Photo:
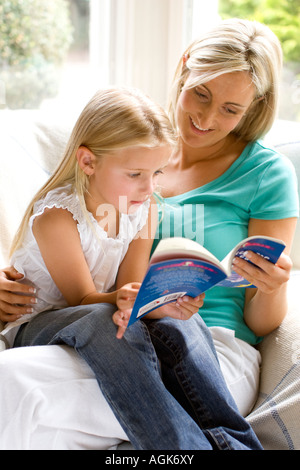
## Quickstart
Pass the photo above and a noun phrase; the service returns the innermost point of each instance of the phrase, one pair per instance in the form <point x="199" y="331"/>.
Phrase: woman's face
<point x="207" y="113"/>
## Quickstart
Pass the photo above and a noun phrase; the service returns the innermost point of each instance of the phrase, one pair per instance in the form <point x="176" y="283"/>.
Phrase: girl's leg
<point x="127" y="371"/>
<point x="191" y="372"/>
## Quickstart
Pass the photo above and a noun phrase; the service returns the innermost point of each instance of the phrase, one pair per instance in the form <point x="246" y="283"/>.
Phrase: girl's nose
<point x="149" y="186"/>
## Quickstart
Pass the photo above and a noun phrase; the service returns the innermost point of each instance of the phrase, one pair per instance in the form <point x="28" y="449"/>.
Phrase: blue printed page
<point x="268" y="248"/>
<point x="167" y="280"/>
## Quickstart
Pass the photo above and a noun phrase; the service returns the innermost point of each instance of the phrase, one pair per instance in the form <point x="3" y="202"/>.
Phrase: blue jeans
<point x="162" y="379"/>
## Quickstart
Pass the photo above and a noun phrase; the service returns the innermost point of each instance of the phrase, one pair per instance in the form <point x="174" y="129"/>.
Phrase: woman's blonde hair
<point x="114" y="118"/>
<point x="232" y="46"/>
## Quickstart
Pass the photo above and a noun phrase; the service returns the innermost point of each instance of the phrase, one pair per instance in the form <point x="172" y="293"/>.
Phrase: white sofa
<point x="31" y="144"/>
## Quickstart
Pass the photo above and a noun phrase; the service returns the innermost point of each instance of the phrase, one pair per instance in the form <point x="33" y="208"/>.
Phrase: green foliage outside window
<point x="283" y="18"/>
<point x="35" y="36"/>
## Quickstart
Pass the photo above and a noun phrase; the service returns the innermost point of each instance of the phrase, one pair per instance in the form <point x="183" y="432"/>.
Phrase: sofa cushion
<point x="31" y="145"/>
<point x="285" y="137"/>
<point x="292" y="151"/>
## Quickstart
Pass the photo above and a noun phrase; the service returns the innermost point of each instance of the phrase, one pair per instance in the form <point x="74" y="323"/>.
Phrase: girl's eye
<point x="158" y="172"/>
<point x="134" y="175"/>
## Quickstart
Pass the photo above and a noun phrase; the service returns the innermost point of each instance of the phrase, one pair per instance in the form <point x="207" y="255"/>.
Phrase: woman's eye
<point x="200" y="94"/>
<point x="158" y="172"/>
<point x="134" y="175"/>
<point x="230" y="111"/>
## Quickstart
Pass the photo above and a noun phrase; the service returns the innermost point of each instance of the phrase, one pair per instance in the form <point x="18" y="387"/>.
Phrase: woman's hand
<point x="16" y="299"/>
<point x="183" y="309"/>
<point x="266" y="276"/>
<point x="266" y="306"/>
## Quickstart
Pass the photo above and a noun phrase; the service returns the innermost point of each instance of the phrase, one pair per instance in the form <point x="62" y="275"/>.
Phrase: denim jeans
<point x="162" y="379"/>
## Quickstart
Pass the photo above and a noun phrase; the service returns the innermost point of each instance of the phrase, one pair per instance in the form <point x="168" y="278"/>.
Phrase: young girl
<point x="70" y="246"/>
<point x="74" y="236"/>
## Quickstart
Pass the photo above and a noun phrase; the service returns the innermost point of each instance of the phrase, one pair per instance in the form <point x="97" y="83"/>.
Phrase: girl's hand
<point x="16" y="299"/>
<point x="183" y="309"/>
<point x="266" y="276"/>
<point x="125" y="297"/>
<point x="121" y="319"/>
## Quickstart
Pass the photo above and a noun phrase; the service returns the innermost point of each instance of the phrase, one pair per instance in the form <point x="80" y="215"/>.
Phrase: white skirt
<point x="240" y="365"/>
<point x="50" y="399"/>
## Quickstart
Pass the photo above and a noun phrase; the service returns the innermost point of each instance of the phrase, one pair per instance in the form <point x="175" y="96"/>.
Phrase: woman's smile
<point x="196" y="128"/>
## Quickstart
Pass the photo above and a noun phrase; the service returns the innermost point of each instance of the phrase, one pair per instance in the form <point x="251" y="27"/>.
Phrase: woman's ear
<point x="86" y="160"/>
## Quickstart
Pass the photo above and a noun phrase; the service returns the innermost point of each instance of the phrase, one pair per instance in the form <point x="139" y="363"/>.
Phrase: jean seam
<point x="203" y="415"/>
<point x="220" y="439"/>
<point x="152" y="357"/>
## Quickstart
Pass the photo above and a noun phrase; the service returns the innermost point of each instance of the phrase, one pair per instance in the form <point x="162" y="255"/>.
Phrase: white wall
<point x="138" y="42"/>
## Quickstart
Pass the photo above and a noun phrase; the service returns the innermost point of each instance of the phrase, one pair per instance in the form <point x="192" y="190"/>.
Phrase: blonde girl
<point x="77" y="229"/>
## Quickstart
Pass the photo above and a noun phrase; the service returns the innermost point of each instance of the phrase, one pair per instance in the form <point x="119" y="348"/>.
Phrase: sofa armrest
<point x="276" y="415"/>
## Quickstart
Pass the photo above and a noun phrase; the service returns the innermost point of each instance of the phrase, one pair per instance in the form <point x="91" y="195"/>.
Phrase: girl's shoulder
<point x="63" y="197"/>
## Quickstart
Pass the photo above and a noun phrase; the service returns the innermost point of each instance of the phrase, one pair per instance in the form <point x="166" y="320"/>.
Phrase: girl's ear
<point x="86" y="160"/>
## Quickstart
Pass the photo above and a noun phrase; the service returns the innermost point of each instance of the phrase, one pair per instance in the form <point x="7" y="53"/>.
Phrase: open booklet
<point x="180" y="266"/>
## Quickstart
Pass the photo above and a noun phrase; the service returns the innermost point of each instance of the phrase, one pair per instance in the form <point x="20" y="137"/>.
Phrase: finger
<point x="121" y="319"/>
<point x="121" y="331"/>
<point x="285" y="262"/>
<point x="15" y="309"/>
<point x="12" y="274"/>
<point x="15" y="298"/>
<point x="190" y="303"/>
<point x="135" y="285"/>
<point x="258" y="261"/>
<point x="13" y="286"/>
<point x="6" y="317"/>
<point x="255" y="275"/>
<point x="185" y="310"/>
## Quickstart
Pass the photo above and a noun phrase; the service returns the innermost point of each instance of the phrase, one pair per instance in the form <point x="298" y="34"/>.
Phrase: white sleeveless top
<point x="103" y="254"/>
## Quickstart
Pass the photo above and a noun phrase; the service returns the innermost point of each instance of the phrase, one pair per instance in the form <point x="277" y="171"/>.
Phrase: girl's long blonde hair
<point x="114" y="118"/>
<point x="233" y="46"/>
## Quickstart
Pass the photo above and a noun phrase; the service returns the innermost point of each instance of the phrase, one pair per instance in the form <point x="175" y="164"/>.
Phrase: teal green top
<point x="260" y="184"/>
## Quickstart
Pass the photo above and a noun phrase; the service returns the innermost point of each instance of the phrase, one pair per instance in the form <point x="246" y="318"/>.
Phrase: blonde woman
<point x="223" y="100"/>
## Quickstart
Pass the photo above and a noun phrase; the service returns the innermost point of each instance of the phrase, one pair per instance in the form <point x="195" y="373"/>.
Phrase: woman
<point x="224" y="98"/>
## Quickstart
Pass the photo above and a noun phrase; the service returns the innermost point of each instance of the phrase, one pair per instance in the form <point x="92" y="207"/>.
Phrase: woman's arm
<point x="266" y="306"/>
<point x="16" y="299"/>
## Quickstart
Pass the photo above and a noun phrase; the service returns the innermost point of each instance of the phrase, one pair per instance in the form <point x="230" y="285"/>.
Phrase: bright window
<point x="57" y="54"/>
<point x="94" y="43"/>
<point x="283" y="17"/>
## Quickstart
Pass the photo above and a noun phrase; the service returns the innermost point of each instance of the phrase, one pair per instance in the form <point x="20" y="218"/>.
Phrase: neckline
<point x="220" y="178"/>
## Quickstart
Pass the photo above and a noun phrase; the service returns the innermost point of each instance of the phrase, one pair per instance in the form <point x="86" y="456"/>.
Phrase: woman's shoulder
<point x="260" y="155"/>
<point x="262" y="150"/>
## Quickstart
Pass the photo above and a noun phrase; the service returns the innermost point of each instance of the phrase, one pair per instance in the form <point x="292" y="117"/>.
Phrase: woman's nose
<point x="207" y="117"/>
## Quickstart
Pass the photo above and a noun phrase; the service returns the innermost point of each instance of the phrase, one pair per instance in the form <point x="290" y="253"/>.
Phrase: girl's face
<point x="127" y="177"/>
<point x="207" y="113"/>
